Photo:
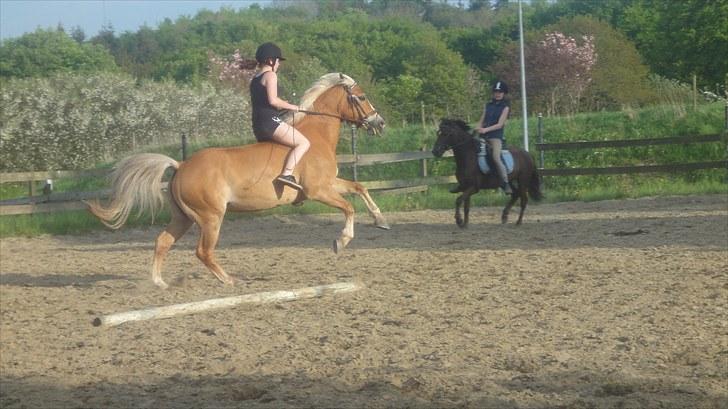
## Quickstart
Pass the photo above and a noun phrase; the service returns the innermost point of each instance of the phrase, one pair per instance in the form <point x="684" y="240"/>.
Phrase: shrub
<point x="71" y="121"/>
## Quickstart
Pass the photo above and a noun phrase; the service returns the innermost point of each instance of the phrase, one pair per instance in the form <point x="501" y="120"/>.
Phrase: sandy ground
<point x="613" y="304"/>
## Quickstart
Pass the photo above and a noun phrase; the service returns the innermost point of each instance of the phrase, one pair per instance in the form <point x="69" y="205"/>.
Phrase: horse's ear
<point x="341" y="76"/>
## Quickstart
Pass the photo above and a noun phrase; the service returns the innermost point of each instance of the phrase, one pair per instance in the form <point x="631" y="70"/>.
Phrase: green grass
<point x="628" y="124"/>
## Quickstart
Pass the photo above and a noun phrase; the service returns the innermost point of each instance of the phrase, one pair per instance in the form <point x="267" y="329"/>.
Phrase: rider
<point x="491" y="126"/>
<point x="267" y="125"/>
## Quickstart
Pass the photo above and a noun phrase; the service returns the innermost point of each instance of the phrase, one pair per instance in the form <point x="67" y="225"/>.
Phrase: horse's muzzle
<point x="374" y="124"/>
<point x="438" y="150"/>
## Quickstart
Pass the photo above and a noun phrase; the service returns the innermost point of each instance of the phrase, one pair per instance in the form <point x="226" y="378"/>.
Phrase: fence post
<point x="422" y="112"/>
<point x="184" y="146"/>
<point x="695" y="92"/>
<point x="353" y="150"/>
<point x="424" y="163"/>
<point x="31" y="189"/>
<point x="540" y="138"/>
<point x="726" y="115"/>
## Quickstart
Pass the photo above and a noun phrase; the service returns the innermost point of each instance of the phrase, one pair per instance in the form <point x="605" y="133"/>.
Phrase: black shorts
<point x="265" y="126"/>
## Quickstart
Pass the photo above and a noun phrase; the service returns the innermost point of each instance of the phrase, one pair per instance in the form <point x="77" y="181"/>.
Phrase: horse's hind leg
<point x="176" y="228"/>
<point x="523" y="193"/>
<point x="209" y="234"/>
<point x="346" y="186"/>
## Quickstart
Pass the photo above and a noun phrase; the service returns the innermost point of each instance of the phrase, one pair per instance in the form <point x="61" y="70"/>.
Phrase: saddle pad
<point x="505" y="156"/>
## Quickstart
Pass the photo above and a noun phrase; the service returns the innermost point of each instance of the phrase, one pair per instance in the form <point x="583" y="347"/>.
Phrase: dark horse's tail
<point x="534" y="187"/>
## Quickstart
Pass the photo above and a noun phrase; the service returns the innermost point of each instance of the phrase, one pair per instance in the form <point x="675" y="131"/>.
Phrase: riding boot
<point x="507" y="188"/>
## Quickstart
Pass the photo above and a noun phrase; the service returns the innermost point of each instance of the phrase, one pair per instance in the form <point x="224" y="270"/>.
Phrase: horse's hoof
<point x="161" y="284"/>
<point x="384" y="226"/>
<point x="337" y="246"/>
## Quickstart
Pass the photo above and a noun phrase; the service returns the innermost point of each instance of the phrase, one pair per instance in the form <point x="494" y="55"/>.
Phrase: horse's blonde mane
<point x="323" y="84"/>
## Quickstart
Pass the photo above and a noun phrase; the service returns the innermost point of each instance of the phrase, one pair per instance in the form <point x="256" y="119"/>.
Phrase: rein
<point x="468" y="140"/>
<point x="353" y="100"/>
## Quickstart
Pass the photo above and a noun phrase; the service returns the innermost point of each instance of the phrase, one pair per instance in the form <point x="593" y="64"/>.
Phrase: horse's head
<point x="451" y="133"/>
<point x="360" y="111"/>
<point x="338" y="95"/>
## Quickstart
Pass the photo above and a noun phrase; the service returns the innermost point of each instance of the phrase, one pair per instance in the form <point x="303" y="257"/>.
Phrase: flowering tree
<point x="227" y="72"/>
<point x="560" y="70"/>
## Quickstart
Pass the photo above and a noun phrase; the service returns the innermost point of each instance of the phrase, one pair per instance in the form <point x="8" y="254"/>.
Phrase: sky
<point x="21" y="16"/>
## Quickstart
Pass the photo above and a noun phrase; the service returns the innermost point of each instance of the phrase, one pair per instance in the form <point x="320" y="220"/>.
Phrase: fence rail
<point x="628" y="142"/>
<point x="621" y="170"/>
<point x="52" y="202"/>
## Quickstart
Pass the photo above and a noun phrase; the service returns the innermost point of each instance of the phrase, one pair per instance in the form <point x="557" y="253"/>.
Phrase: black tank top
<point x="262" y="109"/>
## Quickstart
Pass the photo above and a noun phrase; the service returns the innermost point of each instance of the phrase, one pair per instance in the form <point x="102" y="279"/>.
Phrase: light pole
<point x="523" y="78"/>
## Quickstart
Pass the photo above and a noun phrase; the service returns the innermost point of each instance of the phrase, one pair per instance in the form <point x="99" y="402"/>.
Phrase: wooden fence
<point x="673" y="167"/>
<point x="49" y="201"/>
<point x="53" y="202"/>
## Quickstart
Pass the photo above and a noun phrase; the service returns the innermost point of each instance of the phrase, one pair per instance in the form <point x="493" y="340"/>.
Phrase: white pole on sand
<point x="218" y="303"/>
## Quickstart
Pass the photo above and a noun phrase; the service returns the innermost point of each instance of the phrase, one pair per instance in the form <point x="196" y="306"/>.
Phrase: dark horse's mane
<point x="458" y="124"/>
<point x="457" y="128"/>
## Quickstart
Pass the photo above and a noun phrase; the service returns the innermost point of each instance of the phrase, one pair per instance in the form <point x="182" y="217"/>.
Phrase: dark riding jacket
<point x="493" y="111"/>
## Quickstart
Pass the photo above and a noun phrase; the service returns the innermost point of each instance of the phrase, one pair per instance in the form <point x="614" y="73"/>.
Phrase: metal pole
<point x="523" y="78"/>
<point x="540" y="138"/>
<point x="184" y="146"/>
<point x="353" y="150"/>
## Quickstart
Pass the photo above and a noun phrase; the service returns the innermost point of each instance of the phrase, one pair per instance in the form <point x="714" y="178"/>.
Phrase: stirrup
<point x="289" y="180"/>
<point x="507" y="188"/>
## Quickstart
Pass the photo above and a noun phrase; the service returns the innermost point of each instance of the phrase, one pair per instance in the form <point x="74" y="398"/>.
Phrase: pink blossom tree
<point x="234" y="72"/>
<point x="558" y="71"/>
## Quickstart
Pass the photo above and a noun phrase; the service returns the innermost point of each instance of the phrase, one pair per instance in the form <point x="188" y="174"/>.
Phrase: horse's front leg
<point x="344" y="186"/>
<point x="507" y="209"/>
<point x="466" y="210"/>
<point x="463" y="199"/>
<point x="333" y="198"/>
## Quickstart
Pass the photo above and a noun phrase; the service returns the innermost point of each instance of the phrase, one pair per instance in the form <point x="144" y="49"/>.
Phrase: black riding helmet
<point x="266" y="51"/>
<point x="500" y="86"/>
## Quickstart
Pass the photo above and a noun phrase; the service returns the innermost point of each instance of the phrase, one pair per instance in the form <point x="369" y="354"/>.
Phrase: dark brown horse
<point x="456" y="135"/>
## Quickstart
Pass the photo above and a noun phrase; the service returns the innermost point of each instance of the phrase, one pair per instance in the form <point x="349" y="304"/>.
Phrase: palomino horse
<point x="456" y="135"/>
<point x="241" y="179"/>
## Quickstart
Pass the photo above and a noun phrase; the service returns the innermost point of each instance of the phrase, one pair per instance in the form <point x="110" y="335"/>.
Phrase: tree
<point x="559" y="70"/>
<point x="78" y="34"/>
<point x="47" y="51"/>
<point x="619" y="76"/>
<point x="681" y="38"/>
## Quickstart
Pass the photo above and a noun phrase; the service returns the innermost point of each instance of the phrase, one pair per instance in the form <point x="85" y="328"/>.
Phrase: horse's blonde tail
<point x="135" y="181"/>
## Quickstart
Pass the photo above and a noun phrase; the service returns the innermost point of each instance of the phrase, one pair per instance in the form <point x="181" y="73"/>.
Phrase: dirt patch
<point x="613" y="304"/>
